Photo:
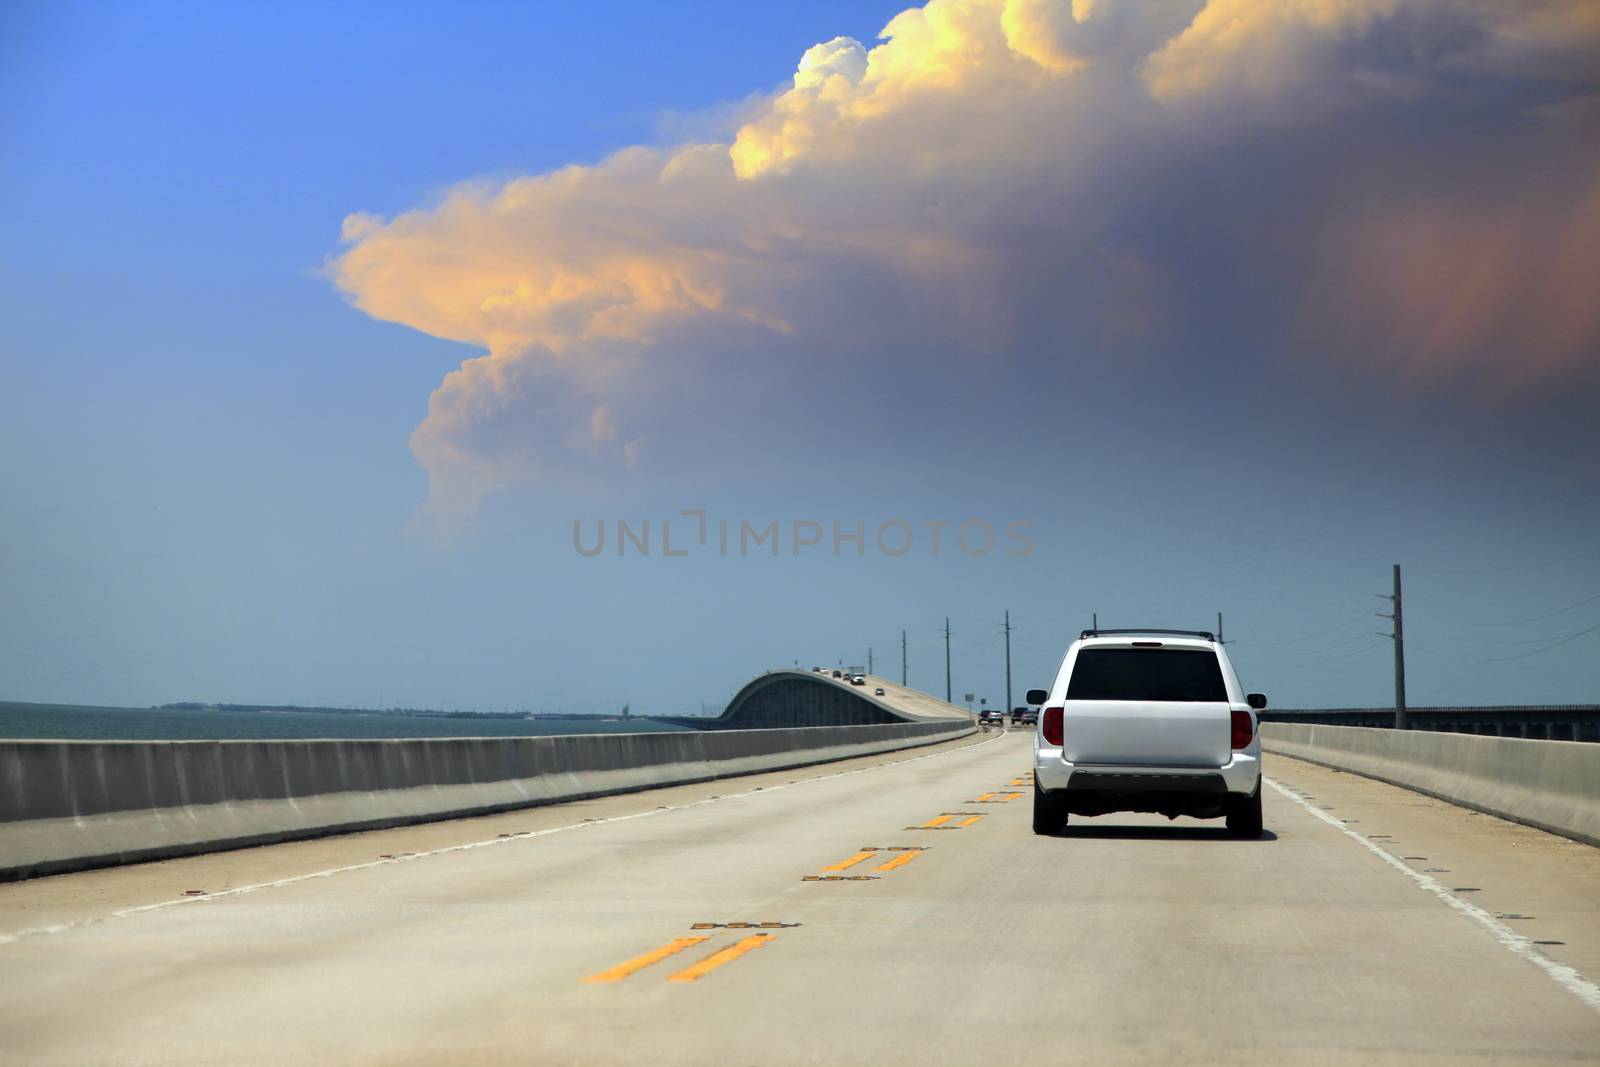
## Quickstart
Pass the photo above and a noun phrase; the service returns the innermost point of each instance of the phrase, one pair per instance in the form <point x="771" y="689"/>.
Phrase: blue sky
<point x="1110" y="307"/>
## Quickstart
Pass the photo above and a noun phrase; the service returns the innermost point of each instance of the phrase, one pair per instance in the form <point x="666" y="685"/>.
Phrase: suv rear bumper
<point x="1240" y="775"/>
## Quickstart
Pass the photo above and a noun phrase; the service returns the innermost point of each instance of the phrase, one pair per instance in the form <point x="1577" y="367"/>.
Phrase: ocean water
<point x="78" y="723"/>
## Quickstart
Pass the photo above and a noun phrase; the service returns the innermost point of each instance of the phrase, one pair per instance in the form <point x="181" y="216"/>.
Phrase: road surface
<point x="891" y="910"/>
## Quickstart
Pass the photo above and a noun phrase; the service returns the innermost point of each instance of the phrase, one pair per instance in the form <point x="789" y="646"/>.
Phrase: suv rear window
<point x="1146" y="674"/>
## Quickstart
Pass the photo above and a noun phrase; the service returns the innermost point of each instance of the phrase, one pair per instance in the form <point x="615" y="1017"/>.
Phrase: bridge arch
<point x="788" y="698"/>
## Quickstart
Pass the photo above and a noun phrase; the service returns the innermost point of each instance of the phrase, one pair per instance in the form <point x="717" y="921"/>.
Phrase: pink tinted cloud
<point x="1504" y="291"/>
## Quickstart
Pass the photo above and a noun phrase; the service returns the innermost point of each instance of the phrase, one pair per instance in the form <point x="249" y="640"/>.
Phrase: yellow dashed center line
<point x="939" y="820"/>
<point x="1009" y="796"/>
<point x="899" y="861"/>
<point x="986" y="796"/>
<point x="846" y="864"/>
<point x="720" y="957"/>
<point x="639" y="963"/>
<point x="969" y="820"/>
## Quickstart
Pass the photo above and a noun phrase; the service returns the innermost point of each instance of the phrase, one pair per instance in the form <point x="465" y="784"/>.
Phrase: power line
<point x="1333" y="647"/>
<point x="1520" y="655"/>
<point x="1498" y="641"/>
<point x="1319" y="662"/>
<point x="1365" y="614"/>
<point x="1512" y="567"/>
<point x="1546" y="615"/>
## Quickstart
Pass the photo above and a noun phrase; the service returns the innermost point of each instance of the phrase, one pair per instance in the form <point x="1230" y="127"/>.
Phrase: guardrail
<point x="71" y="805"/>
<point x="1546" y="722"/>
<point x="1551" y="785"/>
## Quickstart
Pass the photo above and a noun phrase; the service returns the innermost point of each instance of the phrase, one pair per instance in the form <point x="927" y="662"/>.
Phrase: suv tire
<point x="1049" y="813"/>
<point x="1244" y="815"/>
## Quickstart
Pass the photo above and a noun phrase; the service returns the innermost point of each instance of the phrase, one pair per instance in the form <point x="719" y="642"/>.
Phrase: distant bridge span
<point x="783" y="699"/>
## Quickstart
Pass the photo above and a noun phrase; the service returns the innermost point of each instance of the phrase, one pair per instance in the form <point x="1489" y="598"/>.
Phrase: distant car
<point x="1024" y="716"/>
<point x="992" y="715"/>
<point x="838" y="674"/>
<point x="878" y="692"/>
<point x="858" y="679"/>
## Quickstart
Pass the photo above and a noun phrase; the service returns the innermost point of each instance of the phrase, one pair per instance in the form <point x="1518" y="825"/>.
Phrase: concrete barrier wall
<point x="71" y="805"/>
<point x="1552" y="785"/>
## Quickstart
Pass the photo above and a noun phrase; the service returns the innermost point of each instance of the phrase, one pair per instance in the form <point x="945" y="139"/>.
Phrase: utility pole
<point x="1095" y="625"/>
<point x="947" y="690"/>
<point x="869" y="659"/>
<point x="1399" y="637"/>
<point x="1399" y="655"/>
<point x="902" y="657"/>
<point x="1220" y="641"/>
<point x="1007" y="709"/>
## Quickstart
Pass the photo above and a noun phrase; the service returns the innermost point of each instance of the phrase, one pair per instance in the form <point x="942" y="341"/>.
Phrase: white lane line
<point x="1566" y="977"/>
<point x="123" y="913"/>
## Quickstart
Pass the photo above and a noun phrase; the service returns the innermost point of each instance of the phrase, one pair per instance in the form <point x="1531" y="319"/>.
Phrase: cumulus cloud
<point x="996" y="172"/>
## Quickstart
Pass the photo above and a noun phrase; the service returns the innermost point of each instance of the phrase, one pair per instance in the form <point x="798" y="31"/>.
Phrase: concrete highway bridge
<point x="716" y="897"/>
<point x="788" y="698"/>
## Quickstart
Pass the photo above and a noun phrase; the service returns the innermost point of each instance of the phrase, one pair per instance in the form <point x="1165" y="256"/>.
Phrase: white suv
<point x="1147" y="720"/>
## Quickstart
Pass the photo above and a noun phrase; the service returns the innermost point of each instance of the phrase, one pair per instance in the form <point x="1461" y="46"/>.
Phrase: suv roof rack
<point x="1207" y="634"/>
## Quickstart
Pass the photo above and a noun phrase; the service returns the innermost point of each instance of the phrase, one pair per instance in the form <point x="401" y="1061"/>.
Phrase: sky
<point x="332" y="335"/>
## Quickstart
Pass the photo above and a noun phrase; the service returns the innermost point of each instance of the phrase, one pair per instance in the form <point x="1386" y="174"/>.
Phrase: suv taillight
<point x="1244" y="728"/>
<point x="1052" y="726"/>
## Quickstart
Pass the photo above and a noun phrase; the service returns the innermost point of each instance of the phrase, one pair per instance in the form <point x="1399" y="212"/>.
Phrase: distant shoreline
<point x="403" y="712"/>
<point x="309" y="709"/>
<point x="20" y="720"/>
